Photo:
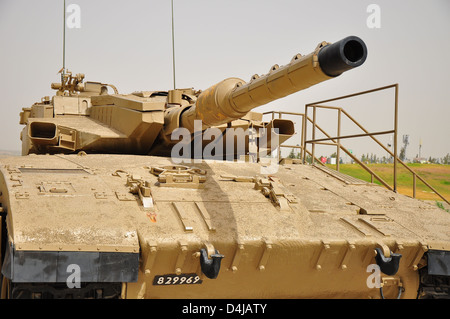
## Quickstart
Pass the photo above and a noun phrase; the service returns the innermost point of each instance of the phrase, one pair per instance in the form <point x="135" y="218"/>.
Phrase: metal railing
<point x="336" y="140"/>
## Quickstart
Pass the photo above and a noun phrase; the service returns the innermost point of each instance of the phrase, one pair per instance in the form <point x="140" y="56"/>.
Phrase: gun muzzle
<point x="336" y="58"/>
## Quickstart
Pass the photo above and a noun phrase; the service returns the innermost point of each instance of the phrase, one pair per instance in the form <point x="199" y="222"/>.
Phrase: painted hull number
<point x="173" y="280"/>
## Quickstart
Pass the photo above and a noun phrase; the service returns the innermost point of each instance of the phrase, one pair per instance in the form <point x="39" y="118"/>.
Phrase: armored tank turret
<point x="84" y="117"/>
<point x="98" y="206"/>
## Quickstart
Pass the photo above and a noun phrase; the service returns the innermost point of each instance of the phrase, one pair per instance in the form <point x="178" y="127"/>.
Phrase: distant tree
<point x="402" y="153"/>
<point x="292" y="154"/>
<point x="446" y="159"/>
<point x="373" y="158"/>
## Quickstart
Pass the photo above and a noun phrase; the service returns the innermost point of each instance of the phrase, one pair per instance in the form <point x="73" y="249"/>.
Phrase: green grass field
<point x="438" y="176"/>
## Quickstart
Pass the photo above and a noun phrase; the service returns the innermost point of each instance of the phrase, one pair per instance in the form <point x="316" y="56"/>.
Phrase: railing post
<point x="302" y="139"/>
<point x="278" y="147"/>
<point x="338" y="146"/>
<point x="305" y="124"/>
<point x="313" y="145"/>
<point x="414" y="185"/>
<point x="395" y="137"/>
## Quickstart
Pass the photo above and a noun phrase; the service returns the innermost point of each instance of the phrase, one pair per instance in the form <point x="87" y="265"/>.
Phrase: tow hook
<point x="210" y="266"/>
<point x="388" y="265"/>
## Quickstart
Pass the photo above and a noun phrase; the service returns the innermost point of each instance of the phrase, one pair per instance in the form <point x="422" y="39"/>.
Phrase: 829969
<point x="173" y="279"/>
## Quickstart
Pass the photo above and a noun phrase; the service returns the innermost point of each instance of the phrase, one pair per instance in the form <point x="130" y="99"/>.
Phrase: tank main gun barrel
<point x="232" y="98"/>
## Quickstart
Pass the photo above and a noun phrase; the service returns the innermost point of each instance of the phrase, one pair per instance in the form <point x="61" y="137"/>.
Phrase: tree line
<point x="374" y="159"/>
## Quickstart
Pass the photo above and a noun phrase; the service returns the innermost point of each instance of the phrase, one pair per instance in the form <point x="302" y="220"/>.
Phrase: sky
<point x="129" y="44"/>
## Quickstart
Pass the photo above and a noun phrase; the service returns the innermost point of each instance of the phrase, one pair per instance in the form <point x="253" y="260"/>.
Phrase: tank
<point x="140" y="195"/>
